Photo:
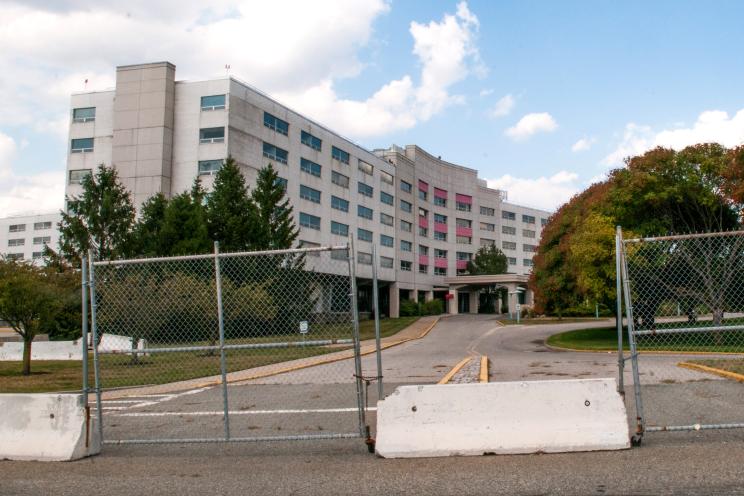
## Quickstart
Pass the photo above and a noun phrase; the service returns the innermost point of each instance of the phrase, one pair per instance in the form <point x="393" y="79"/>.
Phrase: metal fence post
<point x="376" y="304"/>
<point x="94" y="325"/>
<point x="221" y="320"/>
<point x="357" y="347"/>
<point x="84" y="343"/>
<point x="619" y="314"/>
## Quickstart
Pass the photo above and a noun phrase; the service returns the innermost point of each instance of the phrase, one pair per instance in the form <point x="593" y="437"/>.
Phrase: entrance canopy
<point x="473" y="284"/>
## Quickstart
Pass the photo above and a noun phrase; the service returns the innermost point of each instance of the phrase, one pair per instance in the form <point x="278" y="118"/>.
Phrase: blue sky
<point x="581" y="84"/>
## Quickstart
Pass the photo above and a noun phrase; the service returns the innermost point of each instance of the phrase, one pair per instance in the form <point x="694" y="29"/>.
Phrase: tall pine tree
<point x="184" y="230"/>
<point x="275" y="226"/>
<point x="231" y="214"/>
<point x="148" y="231"/>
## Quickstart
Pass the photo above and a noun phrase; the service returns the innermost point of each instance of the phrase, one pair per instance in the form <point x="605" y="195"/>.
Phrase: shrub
<point x="408" y="308"/>
<point x="433" y="307"/>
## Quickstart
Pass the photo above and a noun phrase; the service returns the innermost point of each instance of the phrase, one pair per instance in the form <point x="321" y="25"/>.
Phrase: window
<point x="386" y="219"/>
<point x="405" y="266"/>
<point x="423" y="232"/>
<point x="340" y="255"/>
<point x="440" y="271"/>
<point x="364" y="235"/>
<point x="309" y="221"/>
<point x="309" y="244"/>
<point x="386" y="262"/>
<point x="487" y="242"/>
<point x="213" y="102"/>
<point x="527" y="262"/>
<point x="209" y="167"/>
<point x="340" y="229"/>
<point x="388" y="241"/>
<point x="405" y="226"/>
<point x="275" y="153"/>
<point x="463" y="223"/>
<point x="386" y="178"/>
<point x="339" y="204"/>
<point x="81" y="145"/>
<point x="462" y="206"/>
<point x="364" y="212"/>
<point x="309" y="194"/>
<point x="405" y="245"/>
<point x="423" y="195"/>
<point x="529" y="248"/>
<point x="485" y="226"/>
<point x="14" y="256"/>
<point x="487" y="211"/>
<point x="440" y="236"/>
<point x="213" y="135"/>
<point x="87" y="114"/>
<point x="528" y="219"/>
<point x="440" y="202"/>
<point x="364" y="258"/>
<point x="509" y="245"/>
<point x="423" y="250"/>
<point x="16" y="242"/>
<point x="282" y="182"/>
<point x="309" y="140"/>
<point x="528" y="233"/>
<point x="340" y="155"/>
<point x="423" y="213"/>
<point x="310" y="167"/>
<point x="405" y="206"/>
<point x="42" y="240"/>
<point x="365" y="167"/>
<point x="339" y="179"/>
<point x="365" y="189"/>
<point x="440" y="219"/>
<point x="508" y="230"/>
<point x="386" y="198"/>
<point x="404" y="186"/>
<point x="462" y="255"/>
<point x="17" y="228"/>
<point x="423" y="269"/>
<point x="37" y="255"/>
<point x="512" y="260"/>
<point x="276" y="124"/>
<point x="440" y="253"/>
<point x="77" y="176"/>
<point x="508" y="215"/>
<point x="543" y="222"/>
<point x="40" y="226"/>
<point x="464" y="240"/>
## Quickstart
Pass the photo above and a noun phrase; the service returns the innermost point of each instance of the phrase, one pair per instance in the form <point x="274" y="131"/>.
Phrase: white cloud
<point x="503" y="107"/>
<point x="547" y="193"/>
<point x="486" y="92"/>
<point x="531" y="124"/>
<point x="710" y="126"/>
<point x="582" y="145"/>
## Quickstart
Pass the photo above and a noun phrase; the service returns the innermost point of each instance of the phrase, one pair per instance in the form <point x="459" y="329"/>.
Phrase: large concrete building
<point x="23" y="237"/>
<point x="427" y="216"/>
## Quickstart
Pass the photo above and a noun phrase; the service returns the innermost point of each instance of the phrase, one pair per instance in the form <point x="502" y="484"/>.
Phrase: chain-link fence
<point x="189" y="348"/>
<point x="685" y="318"/>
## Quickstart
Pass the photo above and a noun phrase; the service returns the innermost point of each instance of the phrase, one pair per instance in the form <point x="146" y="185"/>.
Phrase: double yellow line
<point x="482" y="377"/>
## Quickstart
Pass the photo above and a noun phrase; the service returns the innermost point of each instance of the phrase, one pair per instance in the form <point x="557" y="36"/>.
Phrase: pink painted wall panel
<point x="423" y="222"/>
<point x="440" y="262"/>
<point x="439" y="227"/>
<point x="423" y="186"/>
<point x="423" y="259"/>
<point x="462" y="264"/>
<point x="463" y="198"/>
<point x="464" y="231"/>
<point x="440" y="193"/>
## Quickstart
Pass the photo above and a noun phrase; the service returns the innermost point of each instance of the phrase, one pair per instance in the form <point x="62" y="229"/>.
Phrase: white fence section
<point x="502" y="418"/>
<point x="64" y="350"/>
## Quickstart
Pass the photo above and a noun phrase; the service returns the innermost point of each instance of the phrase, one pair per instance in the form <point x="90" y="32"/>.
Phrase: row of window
<point x="19" y="256"/>
<point x="40" y="240"/>
<point x="511" y="245"/>
<point x="38" y="226"/>
<point x="527" y="219"/>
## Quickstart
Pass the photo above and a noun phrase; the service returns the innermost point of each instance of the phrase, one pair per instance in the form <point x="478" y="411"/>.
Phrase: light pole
<point x="516" y="303"/>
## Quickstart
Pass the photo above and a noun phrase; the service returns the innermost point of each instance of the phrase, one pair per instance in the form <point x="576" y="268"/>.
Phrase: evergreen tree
<point x="103" y="214"/>
<point x="231" y="214"/>
<point x="148" y="231"/>
<point x="275" y="226"/>
<point x="184" y="230"/>
<point x="488" y="260"/>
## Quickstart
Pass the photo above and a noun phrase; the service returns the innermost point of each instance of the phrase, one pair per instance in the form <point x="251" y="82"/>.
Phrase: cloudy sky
<point x="541" y="97"/>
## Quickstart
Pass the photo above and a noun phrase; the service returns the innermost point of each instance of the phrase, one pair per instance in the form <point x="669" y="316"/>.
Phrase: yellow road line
<point x="484" y="369"/>
<point x="712" y="370"/>
<point x="454" y="370"/>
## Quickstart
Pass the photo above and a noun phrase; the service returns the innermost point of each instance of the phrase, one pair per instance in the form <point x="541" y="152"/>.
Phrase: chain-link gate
<point x="684" y="308"/>
<point x="219" y="347"/>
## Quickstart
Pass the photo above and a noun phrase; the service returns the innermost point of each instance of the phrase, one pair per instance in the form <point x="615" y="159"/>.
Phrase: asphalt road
<point x="321" y="399"/>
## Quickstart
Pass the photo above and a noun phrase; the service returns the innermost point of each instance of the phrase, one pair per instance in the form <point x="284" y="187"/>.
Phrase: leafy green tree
<point x="231" y="214"/>
<point x="276" y="229"/>
<point x="148" y="235"/>
<point x="488" y="260"/>
<point x="102" y="214"/>
<point x="64" y="322"/>
<point x="184" y="228"/>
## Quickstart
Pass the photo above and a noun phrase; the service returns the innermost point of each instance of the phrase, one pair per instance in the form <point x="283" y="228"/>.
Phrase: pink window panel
<point x="424" y="259"/>
<point x="423" y="186"/>
<point x="440" y="262"/>
<point x="462" y="264"/>
<point x="440" y="227"/>
<point x="464" y="231"/>
<point x="440" y="193"/>
<point x="423" y="222"/>
<point x="464" y="198"/>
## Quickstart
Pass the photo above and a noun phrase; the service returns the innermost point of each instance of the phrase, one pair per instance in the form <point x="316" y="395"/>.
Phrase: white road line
<point x="238" y="412"/>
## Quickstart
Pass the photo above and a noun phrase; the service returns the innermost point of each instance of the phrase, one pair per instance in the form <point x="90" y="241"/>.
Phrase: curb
<point x="483" y="369"/>
<point x="455" y="369"/>
<point x="644" y="352"/>
<point x="712" y="370"/>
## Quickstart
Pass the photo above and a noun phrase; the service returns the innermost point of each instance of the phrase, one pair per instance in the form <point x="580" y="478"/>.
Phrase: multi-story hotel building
<point x="23" y="237"/>
<point x="426" y="216"/>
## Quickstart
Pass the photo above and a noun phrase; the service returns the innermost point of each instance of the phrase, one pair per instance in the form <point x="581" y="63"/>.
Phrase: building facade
<point x="427" y="217"/>
<point x="24" y="237"/>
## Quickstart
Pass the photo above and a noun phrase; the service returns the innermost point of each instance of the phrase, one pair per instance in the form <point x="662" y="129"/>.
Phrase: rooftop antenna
<point x="227" y="69"/>
<point x="86" y="84"/>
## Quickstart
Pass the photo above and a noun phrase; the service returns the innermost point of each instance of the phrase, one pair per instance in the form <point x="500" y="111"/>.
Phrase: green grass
<point x="160" y="368"/>
<point x="550" y="320"/>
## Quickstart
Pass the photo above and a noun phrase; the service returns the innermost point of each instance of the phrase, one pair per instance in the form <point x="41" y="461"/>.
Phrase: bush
<point x="433" y="307"/>
<point x="409" y="308"/>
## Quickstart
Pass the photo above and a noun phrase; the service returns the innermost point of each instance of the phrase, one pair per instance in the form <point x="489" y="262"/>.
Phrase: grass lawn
<point x="160" y="368"/>
<point x="550" y="320"/>
<point x="735" y="366"/>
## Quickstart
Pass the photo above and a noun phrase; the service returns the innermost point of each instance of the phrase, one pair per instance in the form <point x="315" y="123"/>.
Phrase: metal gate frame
<point x="90" y="342"/>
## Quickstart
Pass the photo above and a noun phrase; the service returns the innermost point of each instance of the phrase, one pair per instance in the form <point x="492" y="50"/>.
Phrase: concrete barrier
<point x="114" y="342"/>
<point x="502" y="418"/>
<point x="46" y="427"/>
<point x="43" y="350"/>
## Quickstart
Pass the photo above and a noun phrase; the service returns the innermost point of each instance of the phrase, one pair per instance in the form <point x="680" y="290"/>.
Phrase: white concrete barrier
<point x="42" y="350"/>
<point x="46" y="427"/>
<point x="114" y="342"/>
<point x="501" y="418"/>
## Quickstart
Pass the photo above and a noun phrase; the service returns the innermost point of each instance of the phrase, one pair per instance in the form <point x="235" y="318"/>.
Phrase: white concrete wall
<point x="46" y="427"/>
<point x="501" y="418"/>
<point x="64" y="350"/>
